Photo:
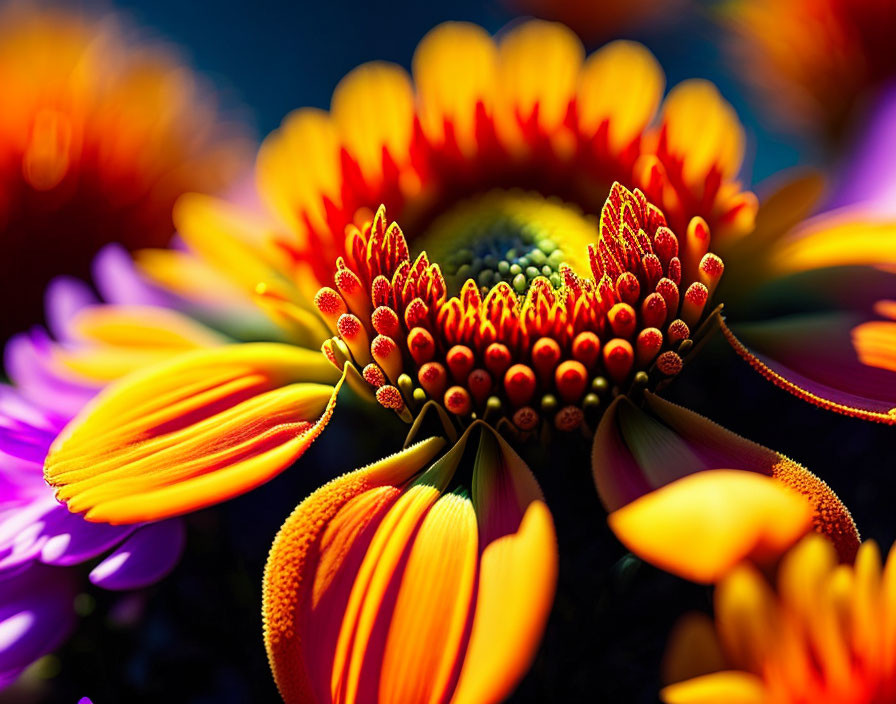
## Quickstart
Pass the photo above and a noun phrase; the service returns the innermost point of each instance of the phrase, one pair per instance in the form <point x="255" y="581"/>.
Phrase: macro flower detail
<point x="554" y="353"/>
<point x="99" y="136"/>
<point x="823" y="634"/>
<point x="401" y="582"/>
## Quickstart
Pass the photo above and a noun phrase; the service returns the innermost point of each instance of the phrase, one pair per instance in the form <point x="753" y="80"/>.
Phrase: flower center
<point x="509" y="236"/>
<point x="552" y="354"/>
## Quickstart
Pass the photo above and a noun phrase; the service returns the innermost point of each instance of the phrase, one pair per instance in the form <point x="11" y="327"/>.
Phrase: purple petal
<point x="65" y="296"/>
<point x="869" y="174"/>
<point x="147" y="556"/>
<point x="28" y="361"/>
<point x="119" y="282"/>
<point x="71" y="539"/>
<point x="36" y="615"/>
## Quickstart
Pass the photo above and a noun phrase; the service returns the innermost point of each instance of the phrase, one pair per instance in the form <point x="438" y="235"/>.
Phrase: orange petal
<point x="393" y="587"/>
<point x="729" y="687"/>
<point x="701" y="526"/>
<point x="201" y="428"/>
<point x="693" y="649"/>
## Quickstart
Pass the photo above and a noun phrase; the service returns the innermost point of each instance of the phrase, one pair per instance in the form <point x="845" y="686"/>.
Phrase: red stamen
<point x="373" y="375"/>
<point x="618" y="359"/>
<point x="525" y="418"/>
<point x="457" y="401"/>
<point x="571" y="378"/>
<point x="355" y="336"/>
<point x="694" y="300"/>
<point x="586" y="348"/>
<point x="480" y="384"/>
<point x="421" y="345"/>
<point x="628" y="288"/>
<point x="653" y="311"/>
<point x="669" y="363"/>
<point x="519" y="383"/>
<point x="497" y="358"/>
<point x="390" y="397"/>
<point x="678" y="331"/>
<point x="460" y="361"/>
<point x="385" y="322"/>
<point x="546" y="354"/>
<point x="386" y="353"/>
<point x="622" y="319"/>
<point x="433" y="378"/>
<point x="648" y="345"/>
<point x="568" y="418"/>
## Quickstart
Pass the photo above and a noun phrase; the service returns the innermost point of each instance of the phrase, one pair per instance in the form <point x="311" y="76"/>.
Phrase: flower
<point x="623" y="224"/>
<point x="815" y="61"/>
<point x="99" y="136"/>
<point x="823" y="634"/>
<point x="39" y="537"/>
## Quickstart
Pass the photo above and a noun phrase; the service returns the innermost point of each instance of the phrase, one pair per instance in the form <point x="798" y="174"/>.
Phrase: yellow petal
<point x="114" y="340"/>
<point x="702" y="129"/>
<point x="298" y="167"/>
<point x="748" y="620"/>
<point x="517" y="574"/>
<point x="454" y="69"/>
<point x="201" y="428"/>
<point x="719" y="688"/>
<point x="621" y="84"/>
<point x="538" y="66"/>
<point x="373" y="109"/>
<point x="701" y="526"/>
<point x="383" y="586"/>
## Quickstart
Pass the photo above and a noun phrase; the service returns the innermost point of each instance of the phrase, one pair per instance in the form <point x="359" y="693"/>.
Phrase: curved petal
<point x="144" y="558"/>
<point x="731" y="687"/>
<point x="199" y="429"/>
<point x="399" y="584"/>
<point x="701" y="526"/>
<point x="840" y="361"/>
<point x="36" y="615"/>
<point x="637" y="450"/>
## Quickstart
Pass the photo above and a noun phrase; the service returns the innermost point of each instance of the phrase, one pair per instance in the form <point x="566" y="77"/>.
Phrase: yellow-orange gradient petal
<point x="637" y="450"/>
<point x="702" y="128"/>
<point x="373" y="110"/>
<point x="875" y="341"/>
<point x="114" y="340"/>
<point x="307" y="137"/>
<point x="701" y="526"/>
<point x="538" y="68"/>
<point x="401" y="583"/>
<point x="454" y="69"/>
<point x="199" y="429"/>
<point x="717" y="688"/>
<point x="622" y="85"/>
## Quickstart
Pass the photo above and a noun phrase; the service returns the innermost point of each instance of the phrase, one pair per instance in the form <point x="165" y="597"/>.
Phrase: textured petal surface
<point x="637" y="450"/>
<point x="840" y="361"/>
<point x="396" y="584"/>
<point x="701" y="526"/>
<point x="200" y="429"/>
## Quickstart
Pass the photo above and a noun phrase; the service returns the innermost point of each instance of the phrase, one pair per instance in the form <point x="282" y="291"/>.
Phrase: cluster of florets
<point x="555" y="355"/>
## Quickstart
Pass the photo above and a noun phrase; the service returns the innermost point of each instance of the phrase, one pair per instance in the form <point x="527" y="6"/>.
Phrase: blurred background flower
<point x="100" y="133"/>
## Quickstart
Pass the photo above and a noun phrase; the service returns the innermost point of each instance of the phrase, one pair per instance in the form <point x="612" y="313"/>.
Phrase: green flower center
<point x="510" y="236"/>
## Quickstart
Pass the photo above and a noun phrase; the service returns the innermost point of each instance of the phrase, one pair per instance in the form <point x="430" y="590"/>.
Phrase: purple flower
<point x="39" y="537"/>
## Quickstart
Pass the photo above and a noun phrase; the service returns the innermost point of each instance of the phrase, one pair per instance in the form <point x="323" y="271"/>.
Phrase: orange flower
<point x="814" y="60"/>
<point x="826" y="635"/>
<point x="97" y="140"/>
